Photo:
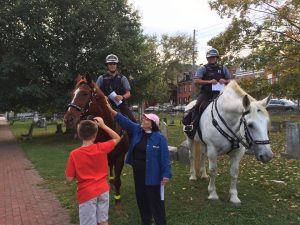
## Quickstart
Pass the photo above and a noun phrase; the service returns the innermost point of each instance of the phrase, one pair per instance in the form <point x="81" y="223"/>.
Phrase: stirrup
<point x="188" y="128"/>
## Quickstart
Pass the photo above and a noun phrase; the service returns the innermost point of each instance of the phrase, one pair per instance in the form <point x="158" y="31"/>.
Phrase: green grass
<point x="263" y="200"/>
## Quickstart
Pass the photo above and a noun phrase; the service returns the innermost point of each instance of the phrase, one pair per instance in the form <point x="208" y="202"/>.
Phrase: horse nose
<point x="265" y="157"/>
<point x="70" y="121"/>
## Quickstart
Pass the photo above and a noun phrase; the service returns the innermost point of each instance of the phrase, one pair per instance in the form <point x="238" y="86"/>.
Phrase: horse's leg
<point x="202" y="160"/>
<point x="111" y="172"/>
<point x="118" y="166"/>
<point x="111" y="177"/>
<point x="235" y="159"/>
<point x="213" y="170"/>
<point x="192" y="158"/>
<point x="197" y="154"/>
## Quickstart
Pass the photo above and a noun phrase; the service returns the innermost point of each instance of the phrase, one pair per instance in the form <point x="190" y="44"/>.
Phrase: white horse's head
<point x="256" y="122"/>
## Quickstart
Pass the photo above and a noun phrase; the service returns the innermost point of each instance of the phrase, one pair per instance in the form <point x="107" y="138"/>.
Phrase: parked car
<point x="152" y="109"/>
<point x="164" y="108"/>
<point x="179" y="108"/>
<point x="134" y="107"/>
<point x="281" y="105"/>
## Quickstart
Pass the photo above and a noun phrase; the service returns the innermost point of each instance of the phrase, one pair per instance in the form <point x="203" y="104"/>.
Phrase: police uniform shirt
<point x="124" y="81"/>
<point x="201" y="71"/>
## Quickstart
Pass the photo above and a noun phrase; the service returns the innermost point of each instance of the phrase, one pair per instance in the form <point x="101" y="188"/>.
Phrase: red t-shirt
<point x="90" y="167"/>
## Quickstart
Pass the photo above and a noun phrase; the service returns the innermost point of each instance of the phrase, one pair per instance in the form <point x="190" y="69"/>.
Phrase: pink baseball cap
<point x="153" y="117"/>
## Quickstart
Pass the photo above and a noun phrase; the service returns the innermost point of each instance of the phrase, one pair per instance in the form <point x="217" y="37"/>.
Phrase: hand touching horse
<point x="89" y="101"/>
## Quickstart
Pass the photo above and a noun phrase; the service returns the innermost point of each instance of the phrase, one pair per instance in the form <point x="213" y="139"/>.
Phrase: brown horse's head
<point x="82" y="97"/>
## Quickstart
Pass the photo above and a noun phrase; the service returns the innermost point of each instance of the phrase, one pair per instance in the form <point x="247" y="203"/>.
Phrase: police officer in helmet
<point x="206" y="76"/>
<point x="116" y="86"/>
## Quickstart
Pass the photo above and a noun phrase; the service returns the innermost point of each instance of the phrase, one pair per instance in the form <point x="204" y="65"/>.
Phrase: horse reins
<point x="248" y="136"/>
<point x="235" y="140"/>
<point x="84" y="110"/>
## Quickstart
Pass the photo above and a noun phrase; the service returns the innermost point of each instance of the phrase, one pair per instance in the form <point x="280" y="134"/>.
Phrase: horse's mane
<point x="238" y="90"/>
<point x="82" y="80"/>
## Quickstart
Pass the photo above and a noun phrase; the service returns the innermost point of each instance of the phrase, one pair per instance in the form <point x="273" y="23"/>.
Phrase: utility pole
<point x="194" y="43"/>
<point x="194" y="65"/>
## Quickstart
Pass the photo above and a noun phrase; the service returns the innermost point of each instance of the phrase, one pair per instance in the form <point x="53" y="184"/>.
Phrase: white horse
<point x="232" y="122"/>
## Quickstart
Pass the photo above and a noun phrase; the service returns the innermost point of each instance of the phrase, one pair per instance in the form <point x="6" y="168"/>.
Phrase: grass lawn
<point x="264" y="200"/>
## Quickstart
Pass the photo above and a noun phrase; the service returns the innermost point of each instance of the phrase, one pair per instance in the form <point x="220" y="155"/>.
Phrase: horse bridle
<point x="235" y="140"/>
<point x="83" y="110"/>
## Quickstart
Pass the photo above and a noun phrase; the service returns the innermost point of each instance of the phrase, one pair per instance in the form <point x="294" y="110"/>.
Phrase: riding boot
<point x="187" y="117"/>
<point x="189" y="120"/>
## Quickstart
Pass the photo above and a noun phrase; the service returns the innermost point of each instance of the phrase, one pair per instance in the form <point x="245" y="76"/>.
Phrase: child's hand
<point x="99" y="121"/>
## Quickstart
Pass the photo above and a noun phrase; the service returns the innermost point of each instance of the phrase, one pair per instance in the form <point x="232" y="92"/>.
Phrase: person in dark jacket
<point x="148" y="155"/>
<point x="212" y="77"/>
<point x="116" y="86"/>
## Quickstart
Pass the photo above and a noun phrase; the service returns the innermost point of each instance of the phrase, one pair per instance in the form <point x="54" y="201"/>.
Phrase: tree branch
<point x="282" y="33"/>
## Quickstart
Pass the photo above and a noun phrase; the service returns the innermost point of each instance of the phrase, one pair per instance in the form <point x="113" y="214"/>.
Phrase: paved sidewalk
<point x="22" y="200"/>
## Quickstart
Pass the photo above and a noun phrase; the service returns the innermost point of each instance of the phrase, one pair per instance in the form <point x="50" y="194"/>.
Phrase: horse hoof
<point x="204" y="177"/>
<point x="192" y="178"/>
<point x="213" y="201"/>
<point x="213" y="198"/>
<point x="235" y="201"/>
<point x="236" y="204"/>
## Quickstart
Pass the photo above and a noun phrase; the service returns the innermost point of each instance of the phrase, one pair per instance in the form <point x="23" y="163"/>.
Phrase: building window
<point x="190" y="88"/>
<point x="184" y="88"/>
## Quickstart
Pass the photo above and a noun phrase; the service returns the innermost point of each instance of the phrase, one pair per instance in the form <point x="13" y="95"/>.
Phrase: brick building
<point x="239" y="73"/>
<point x="185" y="89"/>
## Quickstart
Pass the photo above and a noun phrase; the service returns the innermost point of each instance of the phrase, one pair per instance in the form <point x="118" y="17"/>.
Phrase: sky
<point x="181" y="16"/>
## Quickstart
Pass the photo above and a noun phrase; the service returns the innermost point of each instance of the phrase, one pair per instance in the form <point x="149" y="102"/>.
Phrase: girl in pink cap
<point x="148" y="155"/>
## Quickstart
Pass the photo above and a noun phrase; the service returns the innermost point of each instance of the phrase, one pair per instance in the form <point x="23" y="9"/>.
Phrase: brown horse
<point x="89" y="101"/>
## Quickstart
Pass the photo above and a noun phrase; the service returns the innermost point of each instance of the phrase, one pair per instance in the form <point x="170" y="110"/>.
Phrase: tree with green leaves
<point x="257" y="87"/>
<point x="268" y="30"/>
<point x="176" y="56"/>
<point x="45" y="44"/>
<point x="165" y="59"/>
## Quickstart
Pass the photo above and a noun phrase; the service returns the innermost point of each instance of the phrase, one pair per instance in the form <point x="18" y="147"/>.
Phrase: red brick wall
<point x="184" y="92"/>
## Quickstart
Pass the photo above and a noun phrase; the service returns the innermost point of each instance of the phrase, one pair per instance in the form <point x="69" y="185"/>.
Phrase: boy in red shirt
<point x="88" y="165"/>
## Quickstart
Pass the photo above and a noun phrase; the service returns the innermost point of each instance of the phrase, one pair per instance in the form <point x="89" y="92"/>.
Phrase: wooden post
<point x="28" y="136"/>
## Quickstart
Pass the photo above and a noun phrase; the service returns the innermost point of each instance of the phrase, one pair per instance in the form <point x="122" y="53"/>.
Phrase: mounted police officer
<point x="207" y="76"/>
<point x="116" y="86"/>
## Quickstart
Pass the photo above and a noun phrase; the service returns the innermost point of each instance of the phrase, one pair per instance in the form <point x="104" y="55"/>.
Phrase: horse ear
<point x="265" y="101"/>
<point x="246" y="102"/>
<point x="78" y="78"/>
